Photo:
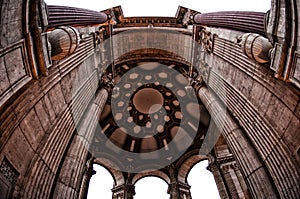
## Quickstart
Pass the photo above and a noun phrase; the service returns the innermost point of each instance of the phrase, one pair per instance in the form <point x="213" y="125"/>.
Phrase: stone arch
<point x="161" y="186"/>
<point x="113" y="169"/>
<point x="150" y="53"/>
<point x="160" y="174"/>
<point x="188" y="164"/>
<point x="163" y="38"/>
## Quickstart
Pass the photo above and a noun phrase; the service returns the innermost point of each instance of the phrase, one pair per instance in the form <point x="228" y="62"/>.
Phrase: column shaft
<point x="126" y="191"/>
<point x="72" y="182"/>
<point x="245" y="154"/>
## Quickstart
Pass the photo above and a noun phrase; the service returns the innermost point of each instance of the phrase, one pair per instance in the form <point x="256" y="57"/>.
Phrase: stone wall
<point x="11" y="22"/>
<point x="14" y="61"/>
<point x="37" y="126"/>
<point x="264" y="106"/>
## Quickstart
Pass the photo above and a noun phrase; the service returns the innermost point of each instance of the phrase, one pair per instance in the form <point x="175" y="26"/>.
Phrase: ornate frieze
<point x="256" y="47"/>
<point x="8" y="171"/>
<point x="207" y="40"/>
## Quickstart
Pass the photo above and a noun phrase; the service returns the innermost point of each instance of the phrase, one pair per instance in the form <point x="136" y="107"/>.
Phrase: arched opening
<point x="101" y="184"/>
<point x="202" y="182"/>
<point x="151" y="187"/>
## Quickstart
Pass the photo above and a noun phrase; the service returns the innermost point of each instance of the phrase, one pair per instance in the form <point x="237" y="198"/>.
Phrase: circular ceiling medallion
<point x="148" y="100"/>
<point x="152" y="113"/>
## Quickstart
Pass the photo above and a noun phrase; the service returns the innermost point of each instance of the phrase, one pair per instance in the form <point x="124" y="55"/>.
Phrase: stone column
<point x="242" y="182"/>
<point x="88" y="173"/>
<point x="126" y="191"/>
<point x="213" y="167"/>
<point x="255" y="174"/>
<point x="173" y="189"/>
<point x="72" y="182"/>
<point x="228" y="169"/>
<point x="184" y="191"/>
<point x="177" y="190"/>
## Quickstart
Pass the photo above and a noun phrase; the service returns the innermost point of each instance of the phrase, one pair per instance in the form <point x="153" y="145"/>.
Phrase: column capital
<point x="179" y="190"/>
<point x="89" y="170"/>
<point x="124" y="191"/>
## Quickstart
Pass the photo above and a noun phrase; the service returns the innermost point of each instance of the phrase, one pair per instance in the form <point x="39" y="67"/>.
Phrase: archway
<point x="101" y="183"/>
<point x="202" y="182"/>
<point x="151" y="187"/>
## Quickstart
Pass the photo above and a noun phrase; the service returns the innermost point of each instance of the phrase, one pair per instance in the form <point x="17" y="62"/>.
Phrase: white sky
<point x="166" y="7"/>
<point x="201" y="181"/>
<point x="100" y="186"/>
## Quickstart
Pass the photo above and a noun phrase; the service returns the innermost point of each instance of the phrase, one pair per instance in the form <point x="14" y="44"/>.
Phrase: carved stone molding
<point x="8" y="178"/>
<point x="207" y="40"/>
<point x="64" y="41"/>
<point x="276" y="58"/>
<point x="8" y="171"/>
<point x="256" y="47"/>
<point x="295" y="71"/>
<point x="15" y="70"/>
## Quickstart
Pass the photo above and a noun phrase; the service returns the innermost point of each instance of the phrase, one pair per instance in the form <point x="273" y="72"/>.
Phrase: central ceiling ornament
<point x="150" y="122"/>
<point x="148" y="100"/>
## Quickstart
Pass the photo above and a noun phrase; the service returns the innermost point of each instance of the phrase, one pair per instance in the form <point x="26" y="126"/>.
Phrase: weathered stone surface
<point x="243" y="83"/>
<point x="278" y="115"/>
<point x="260" y="97"/>
<point x="40" y="109"/>
<point x="32" y="129"/>
<point x="27" y="99"/>
<point x="11" y="25"/>
<point x="57" y="99"/>
<point x="3" y="77"/>
<point x="292" y="135"/>
<point x="19" y="151"/>
<point x="297" y="110"/>
<point x="14" y="65"/>
<point x="68" y="84"/>
<point x="49" y="108"/>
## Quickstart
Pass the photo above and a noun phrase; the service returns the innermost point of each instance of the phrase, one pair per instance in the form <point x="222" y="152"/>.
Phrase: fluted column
<point x="242" y="182"/>
<point x="126" y="191"/>
<point x="236" y="20"/>
<point x="69" y="16"/>
<point x="176" y="189"/>
<point x="232" y="181"/>
<point x="88" y="173"/>
<point x="227" y="173"/>
<point x="72" y="182"/>
<point x="173" y="189"/>
<point x="255" y="173"/>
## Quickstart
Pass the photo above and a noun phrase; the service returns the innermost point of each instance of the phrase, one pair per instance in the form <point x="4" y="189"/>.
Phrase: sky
<point x="200" y="179"/>
<point x="166" y="7"/>
<point x="101" y="183"/>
